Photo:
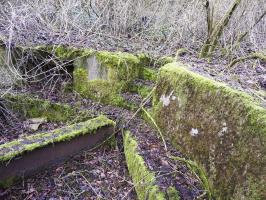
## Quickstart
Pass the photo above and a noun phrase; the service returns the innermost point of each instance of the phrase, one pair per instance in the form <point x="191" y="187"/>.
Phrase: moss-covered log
<point x="222" y="129"/>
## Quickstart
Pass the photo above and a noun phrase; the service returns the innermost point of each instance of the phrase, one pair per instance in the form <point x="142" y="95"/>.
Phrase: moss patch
<point x="222" y="129"/>
<point x="8" y="182"/>
<point x="62" y="52"/>
<point x="17" y="147"/>
<point x="122" y="66"/>
<point x="31" y="107"/>
<point x="100" y="90"/>
<point x="164" y="60"/>
<point x="148" y="74"/>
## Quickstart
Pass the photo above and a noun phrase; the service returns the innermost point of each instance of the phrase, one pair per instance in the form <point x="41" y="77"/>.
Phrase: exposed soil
<point x="132" y="98"/>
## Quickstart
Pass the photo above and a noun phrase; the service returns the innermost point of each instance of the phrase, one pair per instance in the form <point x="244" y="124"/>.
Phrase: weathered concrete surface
<point x="94" y="68"/>
<point x="29" y="154"/>
<point x="222" y="129"/>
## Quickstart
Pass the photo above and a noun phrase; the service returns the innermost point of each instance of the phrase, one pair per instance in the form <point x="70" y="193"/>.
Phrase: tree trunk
<point x="217" y="31"/>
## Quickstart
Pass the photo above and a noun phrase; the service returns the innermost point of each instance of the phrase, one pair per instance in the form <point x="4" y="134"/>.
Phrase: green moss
<point x="105" y="91"/>
<point x="123" y="66"/>
<point x="145" y="60"/>
<point x="164" y="60"/>
<point x="29" y="143"/>
<point x="64" y="53"/>
<point x="144" y="180"/>
<point x="101" y="90"/>
<point x="173" y="194"/>
<point x="31" y="107"/>
<point x="142" y="90"/>
<point x="222" y="129"/>
<point x="7" y="182"/>
<point x="148" y="74"/>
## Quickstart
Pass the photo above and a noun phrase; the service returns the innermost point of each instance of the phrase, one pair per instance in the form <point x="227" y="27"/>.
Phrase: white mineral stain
<point x="95" y="69"/>
<point x="223" y="130"/>
<point x="173" y="98"/>
<point x="166" y="99"/>
<point x="194" y="132"/>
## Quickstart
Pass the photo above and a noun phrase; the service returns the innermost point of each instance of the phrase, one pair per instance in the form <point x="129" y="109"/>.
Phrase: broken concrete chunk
<point x="35" y="123"/>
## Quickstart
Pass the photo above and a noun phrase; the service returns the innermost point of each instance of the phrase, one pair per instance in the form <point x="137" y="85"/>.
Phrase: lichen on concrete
<point x="222" y="129"/>
<point x="24" y="144"/>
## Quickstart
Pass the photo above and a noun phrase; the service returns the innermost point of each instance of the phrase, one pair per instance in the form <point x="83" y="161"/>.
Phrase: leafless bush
<point x="159" y="27"/>
<point x="33" y="67"/>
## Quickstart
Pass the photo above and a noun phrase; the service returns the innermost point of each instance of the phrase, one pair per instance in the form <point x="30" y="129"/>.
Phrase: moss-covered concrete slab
<point x="28" y="154"/>
<point x="96" y="72"/>
<point x="103" y="76"/>
<point x="222" y="129"/>
<point x="144" y="180"/>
